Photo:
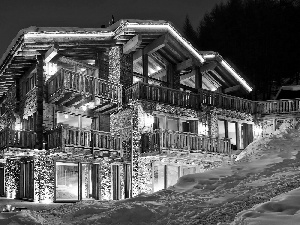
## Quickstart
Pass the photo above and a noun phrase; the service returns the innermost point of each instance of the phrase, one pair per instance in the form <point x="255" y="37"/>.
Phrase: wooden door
<point x="115" y="182"/>
<point x="2" y="181"/>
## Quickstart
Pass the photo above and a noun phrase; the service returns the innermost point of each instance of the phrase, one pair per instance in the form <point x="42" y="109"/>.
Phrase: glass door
<point x="67" y="177"/>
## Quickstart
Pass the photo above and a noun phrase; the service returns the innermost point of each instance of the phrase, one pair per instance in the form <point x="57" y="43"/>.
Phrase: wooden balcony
<point x="144" y="91"/>
<point x="17" y="139"/>
<point x="95" y="142"/>
<point x="164" y="140"/>
<point x="69" y="88"/>
<point x="282" y="106"/>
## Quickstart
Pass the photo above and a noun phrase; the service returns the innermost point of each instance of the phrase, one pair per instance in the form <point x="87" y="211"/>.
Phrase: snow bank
<point x="282" y="209"/>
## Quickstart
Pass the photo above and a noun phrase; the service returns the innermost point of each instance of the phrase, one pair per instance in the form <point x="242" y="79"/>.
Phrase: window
<point x="67" y="176"/>
<point x="165" y="176"/>
<point x="159" y="123"/>
<point x="76" y="181"/>
<point x="172" y="124"/>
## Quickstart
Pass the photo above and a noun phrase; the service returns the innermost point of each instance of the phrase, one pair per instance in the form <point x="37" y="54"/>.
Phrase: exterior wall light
<point x="84" y="108"/>
<point x="18" y="126"/>
<point x="149" y="120"/>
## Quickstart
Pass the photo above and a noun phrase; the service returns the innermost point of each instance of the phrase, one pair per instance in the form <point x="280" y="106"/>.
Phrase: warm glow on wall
<point x="149" y="120"/>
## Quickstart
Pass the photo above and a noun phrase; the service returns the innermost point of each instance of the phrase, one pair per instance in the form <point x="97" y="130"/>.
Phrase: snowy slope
<point x="267" y="168"/>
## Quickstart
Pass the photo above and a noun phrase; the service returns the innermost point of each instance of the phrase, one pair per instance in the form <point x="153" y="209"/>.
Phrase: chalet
<point x="109" y="113"/>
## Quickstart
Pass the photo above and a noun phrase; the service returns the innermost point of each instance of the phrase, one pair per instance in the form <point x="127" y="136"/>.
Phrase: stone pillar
<point x="212" y="121"/>
<point x="126" y="78"/>
<point x="114" y="58"/>
<point x="40" y="96"/>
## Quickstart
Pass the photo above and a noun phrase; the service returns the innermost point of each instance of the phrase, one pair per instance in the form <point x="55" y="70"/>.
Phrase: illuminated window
<point x="67" y="176"/>
<point x="165" y="176"/>
<point x="76" y="181"/>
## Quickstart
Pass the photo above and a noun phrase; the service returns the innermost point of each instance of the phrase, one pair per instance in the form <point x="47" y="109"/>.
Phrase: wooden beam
<point x="152" y="47"/>
<point x="132" y="44"/>
<point x="232" y="89"/>
<point x="145" y="67"/>
<point x="184" y="65"/>
<point x="51" y="53"/>
<point x="198" y="78"/>
<point x="187" y="76"/>
<point x="209" y="66"/>
<point x="159" y="74"/>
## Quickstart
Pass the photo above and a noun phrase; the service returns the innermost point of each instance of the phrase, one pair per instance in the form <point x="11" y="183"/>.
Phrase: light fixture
<point x="66" y="116"/>
<point x="84" y="107"/>
<point x="149" y="120"/>
<point x="209" y="56"/>
<point x="91" y="105"/>
<point x="18" y="126"/>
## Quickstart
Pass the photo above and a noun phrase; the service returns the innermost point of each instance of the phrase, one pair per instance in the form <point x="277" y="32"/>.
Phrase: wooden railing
<point x="278" y="106"/>
<point x="65" y="81"/>
<point x="184" y="99"/>
<point x="18" y="139"/>
<point x="144" y="91"/>
<point x="161" y="140"/>
<point x="75" y="137"/>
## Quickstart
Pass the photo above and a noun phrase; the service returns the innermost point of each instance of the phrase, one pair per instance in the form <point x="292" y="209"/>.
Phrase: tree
<point x="189" y="31"/>
<point x="261" y="37"/>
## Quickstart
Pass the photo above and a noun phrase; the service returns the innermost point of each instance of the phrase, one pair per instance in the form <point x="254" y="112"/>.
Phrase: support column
<point x="40" y="97"/>
<point x="126" y="78"/>
<point x="198" y="78"/>
<point x="145" y="67"/>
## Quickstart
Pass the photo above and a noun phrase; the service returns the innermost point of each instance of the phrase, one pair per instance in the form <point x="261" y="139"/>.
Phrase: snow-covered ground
<point x="268" y="168"/>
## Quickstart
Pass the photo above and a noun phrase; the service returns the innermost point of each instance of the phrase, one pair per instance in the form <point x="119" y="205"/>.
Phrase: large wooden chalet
<point x="108" y="113"/>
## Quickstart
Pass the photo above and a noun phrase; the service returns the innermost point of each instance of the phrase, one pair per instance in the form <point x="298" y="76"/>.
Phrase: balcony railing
<point x="67" y="84"/>
<point x="161" y="140"/>
<point x="278" y="106"/>
<point x="144" y="91"/>
<point x="18" y="139"/>
<point x="65" y="136"/>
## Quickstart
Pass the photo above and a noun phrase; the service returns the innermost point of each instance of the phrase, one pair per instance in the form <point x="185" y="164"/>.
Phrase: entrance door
<point x="116" y="181"/>
<point x="26" y="180"/>
<point x="127" y="181"/>
<point x="2" y="181"/>
<point x="89" y="180"/>
<point x="247" y="134"/>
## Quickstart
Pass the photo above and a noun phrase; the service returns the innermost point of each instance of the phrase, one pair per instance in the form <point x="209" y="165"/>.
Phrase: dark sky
<point x="18" y="14"/>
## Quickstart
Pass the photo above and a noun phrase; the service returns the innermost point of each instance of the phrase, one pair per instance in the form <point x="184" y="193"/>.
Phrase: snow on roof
<point x="112" y="31"/>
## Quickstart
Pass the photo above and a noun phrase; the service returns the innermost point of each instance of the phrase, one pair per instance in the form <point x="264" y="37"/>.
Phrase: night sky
<point x="18" y="14"/>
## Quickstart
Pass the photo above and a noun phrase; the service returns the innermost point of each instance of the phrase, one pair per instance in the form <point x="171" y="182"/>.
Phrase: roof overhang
<point x="30" y="42"/>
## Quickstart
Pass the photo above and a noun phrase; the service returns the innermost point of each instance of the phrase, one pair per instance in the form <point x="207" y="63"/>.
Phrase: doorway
<point x="116" y="190"/>
<point x="27" y="180"/>
<point x="2" y="180"/>
<point x="76" y="181"/>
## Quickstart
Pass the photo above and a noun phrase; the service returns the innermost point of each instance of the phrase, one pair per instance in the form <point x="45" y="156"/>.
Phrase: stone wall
<point x="12" y="178"/>
<point x="9" y="102"/>
<point x="121" y="124"/>
<point x="48" y="115"/>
